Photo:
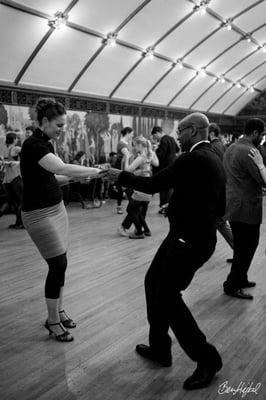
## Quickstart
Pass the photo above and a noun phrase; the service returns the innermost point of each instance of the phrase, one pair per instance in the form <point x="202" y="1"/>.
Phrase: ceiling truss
<point x="243" y="35"/>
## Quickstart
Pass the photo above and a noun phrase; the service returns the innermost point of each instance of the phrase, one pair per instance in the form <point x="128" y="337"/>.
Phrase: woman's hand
<point x="113" y="173"/>
<point x="256" y="157"/>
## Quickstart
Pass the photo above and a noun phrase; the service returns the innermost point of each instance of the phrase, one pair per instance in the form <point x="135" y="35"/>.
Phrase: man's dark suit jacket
<point x="166" y="151"/>
<point x="218" y="147"/>
<point x="198" y="180"/>
<point x="244" y="184"/>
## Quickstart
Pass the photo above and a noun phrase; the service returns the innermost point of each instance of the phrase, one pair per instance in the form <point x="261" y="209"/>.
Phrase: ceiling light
<point x="248" y="38"/>
<point x="228" y="24"/>
<point x="111" y="39"/>
<point x="203" y="9"/>
<point x="180" y="64"/>
<point x="58" y="21"/>
<point x="221" y="79"/>
<point x="251" y="89"/>
<point x="202" y="72"/>
<point x="264" y="48"/>
<point x="238" y="85"/>
<point x="149" y="53"/>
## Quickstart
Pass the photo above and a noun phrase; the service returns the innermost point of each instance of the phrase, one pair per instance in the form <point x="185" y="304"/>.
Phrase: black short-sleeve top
<point x="41" y="188"/>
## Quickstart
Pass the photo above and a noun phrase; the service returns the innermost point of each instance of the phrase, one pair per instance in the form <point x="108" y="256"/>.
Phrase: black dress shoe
<point x="249" y="284"/>
<point x="145" y="351"/>
<point x="202" y="376"/>
<point x="238" y="293"/>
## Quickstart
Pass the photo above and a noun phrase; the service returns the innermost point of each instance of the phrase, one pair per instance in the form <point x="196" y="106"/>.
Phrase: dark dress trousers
<point x="198" y="199"/>
<point x="243" y="209"/>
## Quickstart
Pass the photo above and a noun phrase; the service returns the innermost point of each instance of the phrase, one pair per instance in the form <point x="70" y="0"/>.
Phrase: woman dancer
<point x="139" y="201"/>
<point x="43" y="212"/>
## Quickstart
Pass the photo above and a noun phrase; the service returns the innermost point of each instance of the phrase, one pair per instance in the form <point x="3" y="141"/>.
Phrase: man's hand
<point x="113" y="173"/>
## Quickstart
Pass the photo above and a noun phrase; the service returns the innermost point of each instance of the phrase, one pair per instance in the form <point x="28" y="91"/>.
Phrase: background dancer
<point x="138" y="203"/>
<point x="122" y="149"/>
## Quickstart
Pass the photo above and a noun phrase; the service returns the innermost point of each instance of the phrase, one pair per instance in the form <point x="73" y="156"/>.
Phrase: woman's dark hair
<point x="254" y="124"/>
<point x="126" y="130"/>
<point x="156" y="129"/>
<point x="49" y="108"/>
<point x="79" y="155"/>
<point x="215" y="129"/>
<point x="30" y="128"/>
<point x="10" y="137"/>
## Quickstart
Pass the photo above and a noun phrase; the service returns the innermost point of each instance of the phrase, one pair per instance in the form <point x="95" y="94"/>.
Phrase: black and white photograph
<point x="132" y="199"/>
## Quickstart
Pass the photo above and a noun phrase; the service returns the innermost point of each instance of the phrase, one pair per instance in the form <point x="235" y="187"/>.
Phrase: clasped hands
<point x="110" y="173"/>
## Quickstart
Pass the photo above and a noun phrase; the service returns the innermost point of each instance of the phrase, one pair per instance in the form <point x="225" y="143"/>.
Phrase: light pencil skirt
<point x="48" y="228"/>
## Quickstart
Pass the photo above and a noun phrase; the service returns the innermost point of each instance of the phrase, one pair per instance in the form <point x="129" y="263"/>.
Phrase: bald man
<point x="198" y="180"/>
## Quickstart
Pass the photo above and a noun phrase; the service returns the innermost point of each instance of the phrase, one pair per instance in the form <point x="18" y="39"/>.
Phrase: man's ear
<point x="194" y="131"/>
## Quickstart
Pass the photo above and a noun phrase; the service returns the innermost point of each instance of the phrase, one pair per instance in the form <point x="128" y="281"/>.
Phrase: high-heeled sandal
<point x="62" y="337"/>
<point x="68" y="322"/>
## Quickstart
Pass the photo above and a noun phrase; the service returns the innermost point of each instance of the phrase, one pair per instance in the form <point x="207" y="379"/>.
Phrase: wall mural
<point x="95" y="133"/>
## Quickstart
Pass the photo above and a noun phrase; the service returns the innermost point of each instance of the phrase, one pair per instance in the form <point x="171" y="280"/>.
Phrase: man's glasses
<point x="180" y="130"/>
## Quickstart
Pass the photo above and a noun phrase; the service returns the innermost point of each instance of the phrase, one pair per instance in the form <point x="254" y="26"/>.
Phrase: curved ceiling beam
<point x="202" y="94"/>
<point x="239" y="97"/>
<point x="45" y="37"/>
<point x="254" y="69"/>
<point x="132" y="15"/>
<point x="231" y="87"/>
<point x="243" y="77"/>
<point x="25" y="9"/>
<point x="125" y="77"/>
<point x="172" y="29"/>
<point x="33" y="55"/>
<point x="261" y="79"/>
<point x="157" y="83"/>
<point x="240" y="61"/>
<point x="231" y="46"/>
<point x="219" y="98"/>
<point x="181" y="90"/>
<point x="221" y="54"/>
<point x="128" y="45"/>
<point x="233" y="102"/>
<point x="248" y="9"/>
<point x="219" y="18"/>
<point x="84" y="69"/>
<point x="100" y="49"/>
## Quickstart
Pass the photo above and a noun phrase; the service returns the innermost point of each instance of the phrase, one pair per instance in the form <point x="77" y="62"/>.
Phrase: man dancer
<point x="223" y="226"/>
<point x="189" y="244"/>
<point x="243" y="206"/>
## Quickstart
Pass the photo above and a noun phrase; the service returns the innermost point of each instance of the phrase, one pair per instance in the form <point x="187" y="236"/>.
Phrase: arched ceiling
<point x="198" y="55"/>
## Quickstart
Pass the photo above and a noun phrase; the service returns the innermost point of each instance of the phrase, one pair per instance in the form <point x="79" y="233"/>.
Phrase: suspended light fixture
<point x="251" y="89"/>
<point x="149" y="53"/>
<point x="264" y="48"/>
<point x="180" y="64"/>
<point x="203" y="9"/>
<point x="111" y="39"/>
<point x="238" y="85"/>
<point x="221" y="79"/>
<point x="202" y="72"/>
<point x="201" y="6"/>
<point x="227" y="24"/>
<point x="248" y="38"/>
<point x="58" y="21"/>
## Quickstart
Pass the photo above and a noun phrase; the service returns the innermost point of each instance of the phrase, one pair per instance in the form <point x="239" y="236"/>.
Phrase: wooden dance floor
<point x="105" y="295"/>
